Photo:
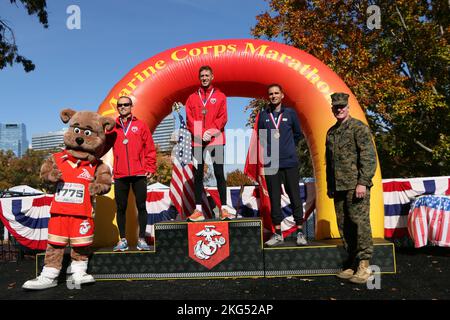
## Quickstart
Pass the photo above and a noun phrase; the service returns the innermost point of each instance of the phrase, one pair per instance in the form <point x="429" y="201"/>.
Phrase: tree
<point x="25" y="170"/>
<point x="6" y="157"/>
<point x="16" y="171"/>
<point x="9" y="52"/>
<point x="163" y="167"/>
<point x="399" y="73"/>
<point x="238" y="178"/>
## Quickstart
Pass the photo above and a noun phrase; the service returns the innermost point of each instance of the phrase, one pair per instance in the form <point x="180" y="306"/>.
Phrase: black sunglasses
<point x="123" y="104"/>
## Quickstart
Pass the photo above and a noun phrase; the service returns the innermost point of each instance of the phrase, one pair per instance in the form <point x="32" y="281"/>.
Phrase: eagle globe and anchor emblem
<point x="213" y="247"/>
<point x="204" y="249"/>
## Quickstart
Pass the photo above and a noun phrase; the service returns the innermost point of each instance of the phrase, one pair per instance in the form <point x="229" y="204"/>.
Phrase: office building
<point x="13" y="136"/>
<point x="50" y="140"/>
<point x="163" y="132"/>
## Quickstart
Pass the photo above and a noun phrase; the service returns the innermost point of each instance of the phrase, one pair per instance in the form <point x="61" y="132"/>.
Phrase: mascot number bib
<point x="71" y="195"/>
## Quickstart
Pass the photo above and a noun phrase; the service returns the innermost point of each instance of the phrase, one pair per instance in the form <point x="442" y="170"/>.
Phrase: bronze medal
<point x="276" y="124"/>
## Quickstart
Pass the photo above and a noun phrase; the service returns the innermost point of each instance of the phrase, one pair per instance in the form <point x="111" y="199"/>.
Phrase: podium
<point x="217" y="249"/>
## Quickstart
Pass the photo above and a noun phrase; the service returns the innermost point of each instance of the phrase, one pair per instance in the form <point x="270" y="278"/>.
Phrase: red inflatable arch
<point x="243" y="68"/>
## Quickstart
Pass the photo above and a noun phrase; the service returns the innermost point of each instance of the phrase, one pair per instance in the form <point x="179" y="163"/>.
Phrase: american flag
<point x="182" y="184"/>
<point x="429" y="219"/>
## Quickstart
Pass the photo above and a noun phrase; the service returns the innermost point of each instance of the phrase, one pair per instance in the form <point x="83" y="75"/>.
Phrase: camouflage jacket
<point x="350" y="156"/>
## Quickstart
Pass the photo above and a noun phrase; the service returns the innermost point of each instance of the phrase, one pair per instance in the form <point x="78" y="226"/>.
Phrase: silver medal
<point x="125" y="131"/>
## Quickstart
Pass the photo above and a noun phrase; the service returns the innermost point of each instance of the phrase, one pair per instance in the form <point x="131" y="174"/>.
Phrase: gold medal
<point x="276" y="135"/>
<point x="125" y="141"/>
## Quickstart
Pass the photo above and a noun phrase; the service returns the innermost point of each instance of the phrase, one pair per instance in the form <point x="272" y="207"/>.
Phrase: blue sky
<point x="77" y="68"/>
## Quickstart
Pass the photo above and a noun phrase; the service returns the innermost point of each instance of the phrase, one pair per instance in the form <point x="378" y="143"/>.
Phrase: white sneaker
<point x="301" y="239"/>
<point x="40" y="283"/>
<point x="275" y="240"/>
<point x="80" y="278"/>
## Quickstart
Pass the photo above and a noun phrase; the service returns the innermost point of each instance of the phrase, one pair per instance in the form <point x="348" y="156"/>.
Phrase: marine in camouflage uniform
<point x="351" y="164"/>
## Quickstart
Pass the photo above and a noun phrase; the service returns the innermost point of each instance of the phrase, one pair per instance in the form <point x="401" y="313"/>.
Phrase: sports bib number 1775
<point x="69" y="193"/>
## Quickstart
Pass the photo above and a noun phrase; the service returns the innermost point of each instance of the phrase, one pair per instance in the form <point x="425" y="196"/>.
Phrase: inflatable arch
<point x="243" y="68"/>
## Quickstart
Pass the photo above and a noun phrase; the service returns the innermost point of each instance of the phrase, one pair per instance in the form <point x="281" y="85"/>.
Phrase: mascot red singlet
<point x="71" y="195"/>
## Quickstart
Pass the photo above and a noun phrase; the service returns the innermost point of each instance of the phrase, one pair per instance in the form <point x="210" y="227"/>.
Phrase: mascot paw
<point x="96" y="188"/>
<point x="54" y="175"/>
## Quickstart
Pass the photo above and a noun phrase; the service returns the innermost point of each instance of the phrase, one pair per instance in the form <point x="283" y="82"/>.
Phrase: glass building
<point x="13" y="136"/>
<point x="163" y="132"/>
<point x="50" y="140"/>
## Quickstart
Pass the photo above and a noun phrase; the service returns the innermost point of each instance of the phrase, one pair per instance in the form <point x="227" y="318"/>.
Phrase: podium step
<point x="321" y="258"/>
<point x="222" y="249"/>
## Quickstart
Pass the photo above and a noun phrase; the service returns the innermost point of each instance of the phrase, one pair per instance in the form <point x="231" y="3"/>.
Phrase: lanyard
<point x="276" y="124"/>
<point x="125" y="131"/>
<point x="204" y="102"/>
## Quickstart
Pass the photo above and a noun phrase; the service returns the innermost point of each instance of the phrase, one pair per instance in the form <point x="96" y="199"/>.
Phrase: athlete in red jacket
<point x="134" y="163"/>
<point x="206" y="113"/>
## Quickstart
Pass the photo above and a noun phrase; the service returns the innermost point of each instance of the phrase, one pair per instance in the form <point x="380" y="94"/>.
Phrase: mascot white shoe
<point x="78" y="273"/>
<point x="47" y="279"/>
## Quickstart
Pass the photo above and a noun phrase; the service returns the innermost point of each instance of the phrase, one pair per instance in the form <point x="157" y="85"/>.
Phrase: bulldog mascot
<point x="79" y="176"/>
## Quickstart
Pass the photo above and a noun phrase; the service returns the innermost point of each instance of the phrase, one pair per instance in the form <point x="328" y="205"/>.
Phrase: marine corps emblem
<point x="84" y="227"/>
<point x="208" y="242"/>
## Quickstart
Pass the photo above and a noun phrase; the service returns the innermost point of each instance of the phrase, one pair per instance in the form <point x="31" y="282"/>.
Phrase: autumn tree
<point x="398" y="72"/>
<point x="238" y="178"/>
<point x="163" y="168"/>
<point x="9" y="52"/>
<point x="6" y="158"/>
<point x="16" y="171"/>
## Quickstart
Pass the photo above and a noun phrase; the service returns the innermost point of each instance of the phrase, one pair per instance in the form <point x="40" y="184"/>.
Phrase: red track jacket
<point x="215" y="117"/>
<point x="138" y="156"/>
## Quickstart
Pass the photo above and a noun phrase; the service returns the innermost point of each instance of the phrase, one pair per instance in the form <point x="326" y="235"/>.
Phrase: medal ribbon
<point x="204" y="102"/>
<point x="125" y="131"/>
<point x="277" y="124"/>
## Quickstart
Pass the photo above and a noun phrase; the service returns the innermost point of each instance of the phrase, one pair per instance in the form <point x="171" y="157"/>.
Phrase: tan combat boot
<point x="346" y="273"/>
<point x="362" y="274"/>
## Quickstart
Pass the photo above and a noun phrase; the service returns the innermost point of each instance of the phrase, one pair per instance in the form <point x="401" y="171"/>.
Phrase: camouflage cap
<point x="339" y="99"/>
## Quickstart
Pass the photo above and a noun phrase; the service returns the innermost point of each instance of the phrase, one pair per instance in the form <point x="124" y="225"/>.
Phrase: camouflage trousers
<point x="353" y="218"/>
